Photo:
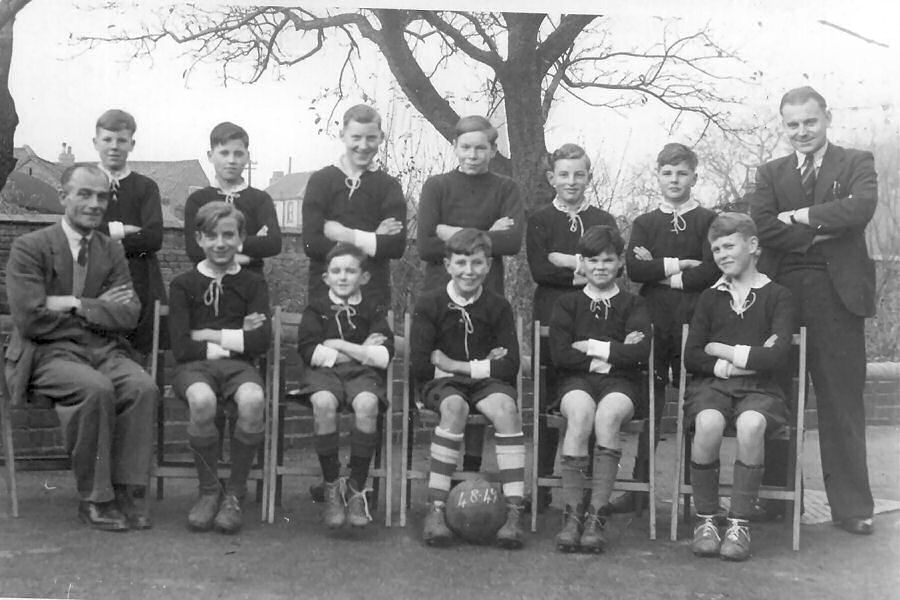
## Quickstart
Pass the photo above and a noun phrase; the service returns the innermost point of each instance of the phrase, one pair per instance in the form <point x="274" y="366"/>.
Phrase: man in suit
<point x="811" y="208"/>
<point x="72" y="303"/>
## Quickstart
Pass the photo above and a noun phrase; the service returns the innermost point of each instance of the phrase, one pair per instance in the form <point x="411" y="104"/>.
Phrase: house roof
<point x="290" y="187"/>
<point x="31" y="194"/>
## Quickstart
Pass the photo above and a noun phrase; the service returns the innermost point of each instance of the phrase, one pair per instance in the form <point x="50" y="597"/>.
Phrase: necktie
<point x="82" y="251"/>
<point x="808" y="176"/>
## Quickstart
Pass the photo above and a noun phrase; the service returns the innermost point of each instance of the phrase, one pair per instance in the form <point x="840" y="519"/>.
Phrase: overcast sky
<point x="60" y="89"/>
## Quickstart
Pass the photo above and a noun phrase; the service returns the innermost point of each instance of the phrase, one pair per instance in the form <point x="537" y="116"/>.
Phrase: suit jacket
<point x="844" y="201"/>
<point x="40" y="265"/>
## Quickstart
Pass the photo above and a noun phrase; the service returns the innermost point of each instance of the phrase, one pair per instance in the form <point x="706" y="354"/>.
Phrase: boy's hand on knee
<point x="254" y="321"/>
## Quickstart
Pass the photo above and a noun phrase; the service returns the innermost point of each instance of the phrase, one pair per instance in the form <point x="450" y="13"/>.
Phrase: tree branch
<point x="489" y="58"/>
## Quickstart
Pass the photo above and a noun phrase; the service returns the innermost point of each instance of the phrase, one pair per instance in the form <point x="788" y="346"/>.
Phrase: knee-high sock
<point x="362" y="448"/>
<point x="511" y="462"/>
<point x="574" y="476"/>
<point x="327" y="450"/>
<point x="747" y="479"/>
<point x="445" y="449"/>
<point x="244" y="446"/>
<point x="206" y="459"/>
<point x="705" y="481"/>
<point x="606" y="466"/>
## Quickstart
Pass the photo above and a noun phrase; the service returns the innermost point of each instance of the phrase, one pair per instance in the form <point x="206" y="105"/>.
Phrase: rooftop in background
<point x="288" y="187"/>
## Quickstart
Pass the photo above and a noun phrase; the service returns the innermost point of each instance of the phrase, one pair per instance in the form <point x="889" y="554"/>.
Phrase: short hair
<point x="91" y="168"/>
<point x="468" y="241"/>
<point x="345" y="249"/>
<point x="211" y="213"/>
<point x="362" y="113"/>
<point x="731" y="222"/>
<point x="800" y="95"/>
<point x="567" y="152"/>
<point x="599" y="239"/>
<point x="674" y="153"/>
<point x="226" y="131"/>
<point x="116" y="120"/>
<point x="475" y="123"/>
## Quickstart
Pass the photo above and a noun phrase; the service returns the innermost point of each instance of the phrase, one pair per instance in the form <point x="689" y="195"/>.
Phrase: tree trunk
<point x="9" y="120"/>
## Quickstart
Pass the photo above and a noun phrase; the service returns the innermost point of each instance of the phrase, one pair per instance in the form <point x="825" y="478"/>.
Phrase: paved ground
<point x="47" y="553"/>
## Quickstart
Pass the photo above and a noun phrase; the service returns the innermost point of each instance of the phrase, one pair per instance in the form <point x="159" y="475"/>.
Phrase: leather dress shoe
<point x="857" y="525"/>
<point x="132" y="502"/>
<point x="102" y="515"/>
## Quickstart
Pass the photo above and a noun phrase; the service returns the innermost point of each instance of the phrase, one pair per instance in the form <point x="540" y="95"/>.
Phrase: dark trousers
<point x="106" y="404"/>
<point x="837" y="364"/>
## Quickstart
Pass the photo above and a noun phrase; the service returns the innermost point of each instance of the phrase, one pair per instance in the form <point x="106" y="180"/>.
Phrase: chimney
<point x="66" y="158"/>
<point x="276" y="175"/>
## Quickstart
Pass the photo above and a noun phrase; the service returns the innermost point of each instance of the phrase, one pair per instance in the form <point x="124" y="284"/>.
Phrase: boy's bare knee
<point x="365" y="405"/>
<point x="751" y="425"/>
<point x="709" y="422"/>
<point x="323" y="403"/>
<point x="202" y="402"/>
<point x="454" y="409"/>
<point x="250" y="399"/>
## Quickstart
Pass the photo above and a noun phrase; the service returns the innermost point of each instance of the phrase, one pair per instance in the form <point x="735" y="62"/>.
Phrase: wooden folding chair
<point x="180" y="468"/>
<point x="792" y="492"/>
<point x="556" y="420"/>
<point x="430" y="419"/>
<point x="381" y="473"/>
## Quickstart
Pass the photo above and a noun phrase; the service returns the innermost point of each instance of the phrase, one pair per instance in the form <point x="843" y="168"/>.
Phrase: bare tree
<point x="9" y="119"/>
<point x="529" y="62"/>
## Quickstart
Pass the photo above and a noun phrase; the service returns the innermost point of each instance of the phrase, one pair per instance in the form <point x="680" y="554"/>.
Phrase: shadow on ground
<point x="47" y="553"/>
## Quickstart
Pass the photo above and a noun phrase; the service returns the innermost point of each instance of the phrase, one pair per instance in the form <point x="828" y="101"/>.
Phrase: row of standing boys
<point x="463" y="346"/>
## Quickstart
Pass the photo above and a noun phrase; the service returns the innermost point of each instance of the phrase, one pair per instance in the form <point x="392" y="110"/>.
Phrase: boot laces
<point x="737" y="531"/>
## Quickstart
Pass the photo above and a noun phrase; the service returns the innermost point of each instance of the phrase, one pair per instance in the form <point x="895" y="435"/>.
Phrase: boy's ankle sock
<point x="362" y="448"/>
<point x="747" y="479"/>
<point x="206" y="459"/>
<point x="511" y="463"/>
<point x="244" y="446"/>
<point x="705" y="483"/>
<point x="445" y="450"/>
<point x="606" y="467"/>
<point x="327" y="450"/>
<point x="573" y="479"/>
<point x="471" y="462"/>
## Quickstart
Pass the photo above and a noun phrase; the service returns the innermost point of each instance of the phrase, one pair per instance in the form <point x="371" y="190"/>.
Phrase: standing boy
<point x="470" y="196"/>
<point x="738" y="346"/>
<point x="812" y="208"/>
<point x="218" y="323"/>
<point x="464" y="348"/>
<point x="355" y="202"/>
<point x="134" y="216"/>
<point x="599" y="338"/>
<point x="551" y="242"/>
<point x="229" y="154"/>
<point x="346" y="343"/>
<point x="668" y="254"/>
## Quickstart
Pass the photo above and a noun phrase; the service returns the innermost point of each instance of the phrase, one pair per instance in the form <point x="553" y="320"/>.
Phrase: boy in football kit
<point x="737" y="350"/>
<point x="465" y="350"/>
<point x="134" y="216"/>
<point x="668" y="254"/>
<point x="551" y="240"/>
<point x="599" y="339"/>
<point x="346" y="343"/>
<point x="219" y="325"/>
<point x="229" y="153"/>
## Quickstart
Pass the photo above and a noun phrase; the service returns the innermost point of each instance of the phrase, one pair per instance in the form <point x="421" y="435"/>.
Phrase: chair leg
<point x="10" y="456"/>
<point x="687" y="478"/>
<point x="378" y="459"/>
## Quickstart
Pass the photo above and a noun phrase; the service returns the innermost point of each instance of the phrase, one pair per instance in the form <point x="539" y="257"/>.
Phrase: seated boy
<point x="599" y="338"/>
<point x="551" y="240"/>
<point x="218" y="324"/>
<point x="229" y="153"/>
<point x="346" y="343"/>
<point x="740" y="338"/>
<point x="464" y="346"/>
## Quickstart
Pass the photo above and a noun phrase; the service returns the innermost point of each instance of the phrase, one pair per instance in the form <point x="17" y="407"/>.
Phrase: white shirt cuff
<point x="438" y="374"/>
<point x="116" y="230"/>
<point x="376" y="356"/>
<point x="214" y="351"/>
<point x="671" y="266"/>
<point x="599" y="366"/>
<point x="323" y="356"/>
<point x="480" y="369"/>
<point x="722" y="369"/>
<point x="741" y="356"/>
<point x="675" y="281"/>
<point x="598" y="349"/>
<point x="233" y="339"/>
<point x="801" y="215"/>
<point x="365" y="241"/>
